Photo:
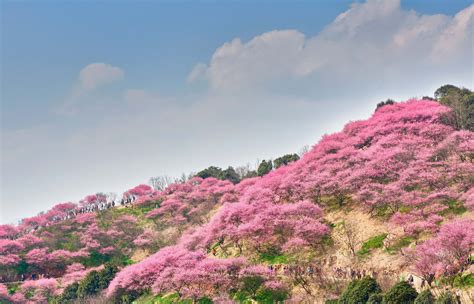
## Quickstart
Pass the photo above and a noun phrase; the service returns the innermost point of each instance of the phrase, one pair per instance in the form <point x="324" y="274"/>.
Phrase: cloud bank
<point x="372" y="38"/>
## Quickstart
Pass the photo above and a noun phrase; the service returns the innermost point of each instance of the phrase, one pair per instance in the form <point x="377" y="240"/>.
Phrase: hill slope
<point x="387" y="197"/>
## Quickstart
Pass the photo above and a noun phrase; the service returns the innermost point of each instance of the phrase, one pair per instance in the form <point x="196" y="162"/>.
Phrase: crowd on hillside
<point x="89" y="207"/>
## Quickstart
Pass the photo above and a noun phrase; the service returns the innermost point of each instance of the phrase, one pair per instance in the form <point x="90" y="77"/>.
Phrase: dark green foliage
<point x="216" y="172"/>
<point x="252" y="288"/>
<point x="446" y="298"/>
<point x="359" y="291"/>
<point x="230" y="175"/>
<point x="69" y="294"/>
<point x="96" y="281"/>
<point x="400" y="293"/>
<point x="270" y="296"/>
<point x="461" y="100"/>
<point x="95" y="259"/>
<point x="265" y="167"/>
<point x="106" y="275"/>
<point x="126" y="297"/>
<point x="285" y="160"/>
<point x="331" y="301"/>
<point x="90" y="285"/>
<point x="22" y="267"/>
<point x="210" y="172"/>
<point x="375" y="298"/>
<point x="445" y="91"/>
<point x="251" y="284"/>
<point x="454" y="207"/>
<point x="425" y="297"/>
<point x="384" y="103"/>
<point x="12" y="288"/>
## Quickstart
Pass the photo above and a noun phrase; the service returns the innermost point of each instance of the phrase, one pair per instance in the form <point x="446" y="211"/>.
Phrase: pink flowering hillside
<point x="389" y="197"/>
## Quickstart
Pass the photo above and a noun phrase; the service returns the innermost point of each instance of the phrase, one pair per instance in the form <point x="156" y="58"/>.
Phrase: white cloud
<point x="457" y="37"/>
<point x="90" y="79"/>
<point x="98" y="74"/>
<point x="198" y="72"/>
<point x="370" y="39"/>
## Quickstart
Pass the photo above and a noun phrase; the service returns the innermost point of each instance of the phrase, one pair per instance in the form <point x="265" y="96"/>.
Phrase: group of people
<point x="285" y="269"/>
<point x="349" y="273"/>
<point x="25" y="277"/>
<point x="85" y="208"/>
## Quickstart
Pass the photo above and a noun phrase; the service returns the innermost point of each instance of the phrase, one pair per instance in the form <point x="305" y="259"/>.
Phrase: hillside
<point x="390" y="198"/>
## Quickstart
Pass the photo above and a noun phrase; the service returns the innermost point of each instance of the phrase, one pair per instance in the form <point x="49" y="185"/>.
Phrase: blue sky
<point x="176" y="92"/>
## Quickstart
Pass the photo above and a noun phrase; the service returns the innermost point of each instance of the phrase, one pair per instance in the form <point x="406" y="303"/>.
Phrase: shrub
<point x="95" y="259"/>
<point x="251" y="284"/>
<point x="89" y="285"/>
<point x="127" y="297"/>
<point x="106" y="275"/>
<point x="466" y="280"/>
<point x="265" y="167"/>
<point x="267" y="295"/>
<point x="446" y="298"/>
<point x="425" y="297"/>
<point x="285" y="160"/>
<point x="402" y="292"/>
<point x="359" y="291"/>
<point x="375" y="298"/>
<point x="69" y="294"/>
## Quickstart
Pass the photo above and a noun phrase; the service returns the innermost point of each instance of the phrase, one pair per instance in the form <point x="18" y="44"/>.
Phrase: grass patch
<point x="13" y="288"/>
<point x="399" y="244"/>
<point x="372" y="243"/>
<point x="454" y="207"/>
<point x="272" y="258"/>
<point x="172" y="298"/>
<point x="464" y="281"/>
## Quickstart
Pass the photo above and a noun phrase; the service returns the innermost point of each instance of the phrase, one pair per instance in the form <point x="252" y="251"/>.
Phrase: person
<point x="458" y="296"/>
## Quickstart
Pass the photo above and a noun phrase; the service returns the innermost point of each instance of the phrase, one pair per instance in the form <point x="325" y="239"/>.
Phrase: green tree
<point x="461" y="101"/>
<point x="270" y="296"/>
<point x="375" y="298"/>
<point x="359" y="291"/>
<point x="230" y="175"/>
<point x="285" y="160"/>
<point x="265" y="167"/>
<point x="384" y="103"/>
<point x="251" y="284"/>
<point x="425" y="297"/>
<point x="211" y="171"/>
<point x="106" y="275"/>
<point x="402" y="292"/>
<point x="69" y="294"/>
<point x="89" y="285"/>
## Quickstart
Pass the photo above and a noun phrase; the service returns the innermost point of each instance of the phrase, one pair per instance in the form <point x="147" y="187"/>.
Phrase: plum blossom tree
<point x="447" y="253"/>
<point x="39" y="291"/>
<point x="175" y="269"/>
